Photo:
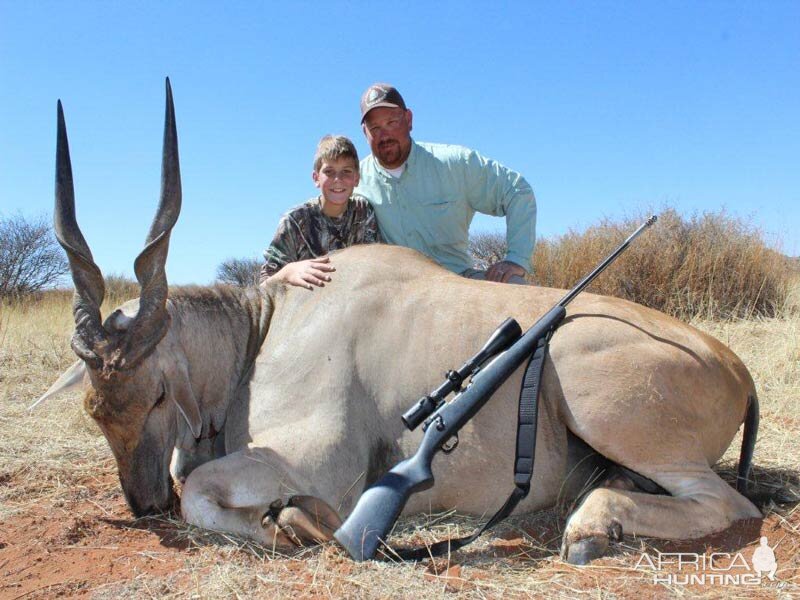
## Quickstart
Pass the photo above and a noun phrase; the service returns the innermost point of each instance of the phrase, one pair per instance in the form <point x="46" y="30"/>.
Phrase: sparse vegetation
<point x="487" y="249"/>
<point x="241" y="272"/>
<point x="119" y="289"/>
<point x="710" y="266"/>
<point x="30" y="258"/>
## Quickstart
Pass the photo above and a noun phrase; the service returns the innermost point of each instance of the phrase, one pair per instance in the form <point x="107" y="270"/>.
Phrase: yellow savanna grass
<point x="712" y="265"/>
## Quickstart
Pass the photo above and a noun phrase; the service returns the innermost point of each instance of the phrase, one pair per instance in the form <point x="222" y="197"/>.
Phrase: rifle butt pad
<point x="378" y="508"/>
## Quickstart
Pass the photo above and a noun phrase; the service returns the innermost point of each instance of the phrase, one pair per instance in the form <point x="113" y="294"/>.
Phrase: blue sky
<point x="607" y="108"/>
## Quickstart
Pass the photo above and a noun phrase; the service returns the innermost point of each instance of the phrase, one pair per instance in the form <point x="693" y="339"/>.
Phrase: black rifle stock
<point x="379" y="506"/>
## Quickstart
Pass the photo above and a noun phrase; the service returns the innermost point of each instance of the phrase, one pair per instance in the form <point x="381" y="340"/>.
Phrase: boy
<point x="335" y="219"/>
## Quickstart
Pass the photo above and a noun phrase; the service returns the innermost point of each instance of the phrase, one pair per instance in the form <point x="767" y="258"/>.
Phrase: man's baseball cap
<point x="380" y="94"/>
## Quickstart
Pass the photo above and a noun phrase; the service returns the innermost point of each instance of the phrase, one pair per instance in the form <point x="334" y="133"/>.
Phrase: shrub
<point x="242" y="272"/>
<point x="120" y="288"/>
<point x="710" y="265"/>
<point x="487" y="249"/>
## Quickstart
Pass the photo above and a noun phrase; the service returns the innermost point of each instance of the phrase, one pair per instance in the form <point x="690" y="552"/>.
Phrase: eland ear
<point x="69" y="380"/>
<point x="180" y="390"/>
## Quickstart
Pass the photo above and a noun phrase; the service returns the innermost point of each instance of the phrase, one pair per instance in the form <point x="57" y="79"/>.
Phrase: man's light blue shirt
<point x="431" y="205"/>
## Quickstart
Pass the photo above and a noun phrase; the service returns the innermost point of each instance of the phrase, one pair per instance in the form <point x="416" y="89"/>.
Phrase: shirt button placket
<point x="403" y="206"/>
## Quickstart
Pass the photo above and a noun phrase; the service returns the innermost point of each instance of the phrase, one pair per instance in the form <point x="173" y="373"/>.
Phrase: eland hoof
<point x="586" y="550"/>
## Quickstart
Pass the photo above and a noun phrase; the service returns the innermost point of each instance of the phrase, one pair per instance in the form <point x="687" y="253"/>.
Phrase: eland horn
<point x="152" y="320"/>
<point x="90" y="338"/>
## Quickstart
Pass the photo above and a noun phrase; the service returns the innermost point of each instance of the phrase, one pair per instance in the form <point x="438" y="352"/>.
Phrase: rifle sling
<point x="523" y="463"/>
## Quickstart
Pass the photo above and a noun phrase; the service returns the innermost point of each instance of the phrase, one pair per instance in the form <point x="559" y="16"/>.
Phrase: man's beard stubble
<point x="389" y="152"/>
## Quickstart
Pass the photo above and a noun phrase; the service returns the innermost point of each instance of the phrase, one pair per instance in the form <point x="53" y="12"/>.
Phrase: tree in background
<point x="242" y="272"/>
<point x="30" y="258"/>
<point x="487" y="249"/>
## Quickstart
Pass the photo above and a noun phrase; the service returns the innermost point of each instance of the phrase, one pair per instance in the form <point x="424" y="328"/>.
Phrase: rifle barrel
<point x="601" y="267"/>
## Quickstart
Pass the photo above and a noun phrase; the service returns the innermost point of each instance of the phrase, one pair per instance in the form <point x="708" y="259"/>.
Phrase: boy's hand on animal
<point x="307" y="273"/>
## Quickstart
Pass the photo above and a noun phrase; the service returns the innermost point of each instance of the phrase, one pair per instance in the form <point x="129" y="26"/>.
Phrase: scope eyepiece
<point x="502" y="337"/>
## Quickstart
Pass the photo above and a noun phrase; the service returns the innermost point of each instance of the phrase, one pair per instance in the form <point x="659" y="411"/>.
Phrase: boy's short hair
<point x="334" y="147"/>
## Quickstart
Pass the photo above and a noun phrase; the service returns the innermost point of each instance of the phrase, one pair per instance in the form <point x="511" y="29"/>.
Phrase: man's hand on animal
<point x="306" y="273"/>
<point x="503" y="271"/>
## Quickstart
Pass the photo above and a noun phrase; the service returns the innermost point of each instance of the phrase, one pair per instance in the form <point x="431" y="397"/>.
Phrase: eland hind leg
<point x="700" y="504"/>
<point x="675" y="403"/>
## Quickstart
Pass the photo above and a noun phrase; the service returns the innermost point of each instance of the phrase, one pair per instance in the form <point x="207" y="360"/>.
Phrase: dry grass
<point x="58" y="456"/>
<point x="713" y="266"/>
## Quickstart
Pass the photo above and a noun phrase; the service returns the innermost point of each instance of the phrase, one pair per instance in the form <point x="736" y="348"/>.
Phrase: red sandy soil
<point x="86" y="541"/>
<point x="83" y="544"/>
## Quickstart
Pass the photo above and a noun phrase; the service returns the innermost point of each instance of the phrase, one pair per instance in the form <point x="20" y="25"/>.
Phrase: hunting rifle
<point x="380" y="505"/>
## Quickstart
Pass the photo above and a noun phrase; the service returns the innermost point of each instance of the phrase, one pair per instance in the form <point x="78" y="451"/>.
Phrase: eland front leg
<point x="249" y="494"/>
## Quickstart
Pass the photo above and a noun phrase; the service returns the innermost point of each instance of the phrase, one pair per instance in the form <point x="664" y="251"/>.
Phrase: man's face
<point x="388" y="131"/>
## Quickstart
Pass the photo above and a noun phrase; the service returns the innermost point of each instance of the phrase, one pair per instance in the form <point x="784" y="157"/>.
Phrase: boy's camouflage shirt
<point x="306" y="232"/>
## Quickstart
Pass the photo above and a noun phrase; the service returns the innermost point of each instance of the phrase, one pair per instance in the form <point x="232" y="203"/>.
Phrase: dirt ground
<point x="86" y="544"/>
<point x="81" y="543"/>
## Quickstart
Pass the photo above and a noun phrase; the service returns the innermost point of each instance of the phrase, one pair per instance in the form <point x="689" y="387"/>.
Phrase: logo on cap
<point x="380" y="94"/>
<point x="375" y="94"/>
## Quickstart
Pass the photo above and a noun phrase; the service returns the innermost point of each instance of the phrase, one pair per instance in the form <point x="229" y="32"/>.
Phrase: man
<point x="425" y="195"/>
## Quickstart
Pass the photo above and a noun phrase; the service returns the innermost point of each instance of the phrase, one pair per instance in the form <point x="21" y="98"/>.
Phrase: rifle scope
<point x="505" y="335"/>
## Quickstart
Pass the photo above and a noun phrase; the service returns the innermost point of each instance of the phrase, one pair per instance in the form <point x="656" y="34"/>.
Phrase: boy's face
<point x="336" y="180"/>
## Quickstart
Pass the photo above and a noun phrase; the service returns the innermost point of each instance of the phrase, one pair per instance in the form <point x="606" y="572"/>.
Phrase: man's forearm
<point x="521" y="227"/>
